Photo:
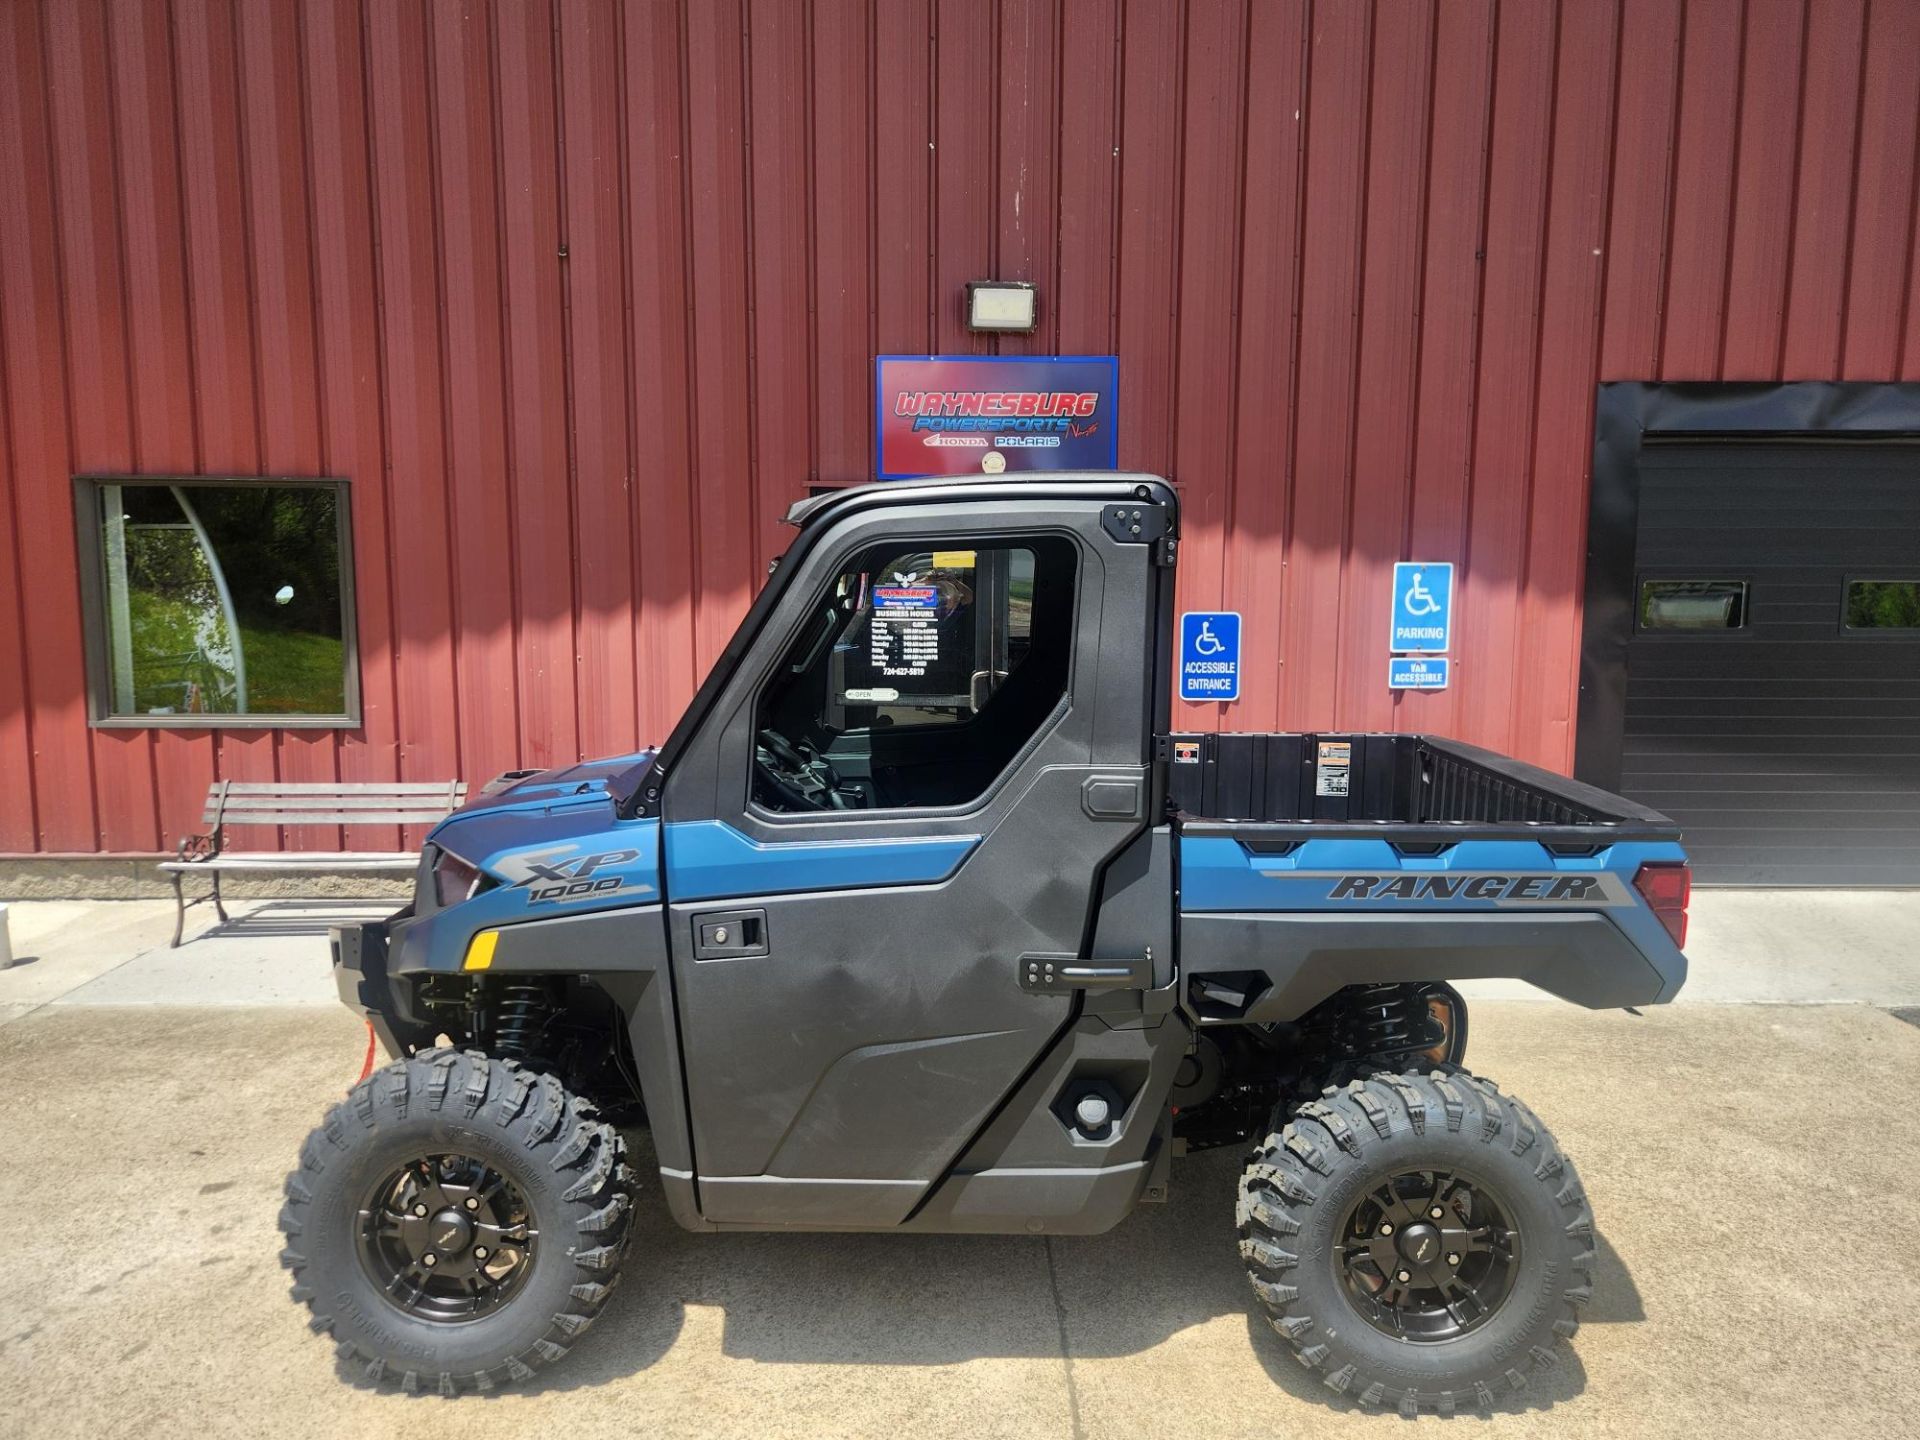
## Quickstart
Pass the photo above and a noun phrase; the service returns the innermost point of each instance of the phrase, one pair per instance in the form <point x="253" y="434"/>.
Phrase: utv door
<point x="912" y="780"/>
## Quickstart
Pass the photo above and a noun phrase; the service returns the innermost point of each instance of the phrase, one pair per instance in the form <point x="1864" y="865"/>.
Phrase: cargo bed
<point x="1318" y="861"/>
<point x="1417" y="787"/>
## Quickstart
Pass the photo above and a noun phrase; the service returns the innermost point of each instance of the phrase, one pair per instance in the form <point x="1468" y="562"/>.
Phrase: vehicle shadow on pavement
<point x="856" y="1299"/>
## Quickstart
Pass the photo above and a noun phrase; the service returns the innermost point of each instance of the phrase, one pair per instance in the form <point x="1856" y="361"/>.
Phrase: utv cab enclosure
<point x="923" y="920"/>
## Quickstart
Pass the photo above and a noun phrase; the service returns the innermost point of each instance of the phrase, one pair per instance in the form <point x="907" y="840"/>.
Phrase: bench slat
<point x="309" y="802"/>
<point x="255" y="804"/>
<point x="343" y="802"/>
<point x="298" y="860"/>
<point x="331" y="817"/>
<point x="355" y="787"/>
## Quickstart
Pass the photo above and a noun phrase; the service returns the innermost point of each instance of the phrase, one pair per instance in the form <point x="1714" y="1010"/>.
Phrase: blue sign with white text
<point x="1210" y="655"/>
<point x="1417" y="672"/>
<point x="1422" y="606"/>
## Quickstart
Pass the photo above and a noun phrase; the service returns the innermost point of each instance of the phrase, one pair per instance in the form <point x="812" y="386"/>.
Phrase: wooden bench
<point x="239" y="803"/>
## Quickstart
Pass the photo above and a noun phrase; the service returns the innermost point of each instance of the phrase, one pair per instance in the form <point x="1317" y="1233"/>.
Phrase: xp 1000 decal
<point x="560" y="873"/>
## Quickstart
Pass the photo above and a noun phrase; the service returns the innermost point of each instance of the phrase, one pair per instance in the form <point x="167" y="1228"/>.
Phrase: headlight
<point x="454" y="880"/>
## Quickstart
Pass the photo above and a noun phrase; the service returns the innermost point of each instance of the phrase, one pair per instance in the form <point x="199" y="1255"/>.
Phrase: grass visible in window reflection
<point x="182" y="664"/>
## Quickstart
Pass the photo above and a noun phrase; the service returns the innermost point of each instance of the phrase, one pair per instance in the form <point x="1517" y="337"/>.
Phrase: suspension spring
<point x="1388" y="1017"/>
<point x="520" y="1014"/>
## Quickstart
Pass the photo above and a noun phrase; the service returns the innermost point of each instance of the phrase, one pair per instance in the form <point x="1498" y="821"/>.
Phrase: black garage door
<point x="1773" y="674"/>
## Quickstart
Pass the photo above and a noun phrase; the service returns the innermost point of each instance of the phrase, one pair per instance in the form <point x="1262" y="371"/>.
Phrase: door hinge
<point x="1136" y="522"/>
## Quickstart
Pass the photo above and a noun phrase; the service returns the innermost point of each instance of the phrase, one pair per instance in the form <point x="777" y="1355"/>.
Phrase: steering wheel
<point x="799" y="783"/>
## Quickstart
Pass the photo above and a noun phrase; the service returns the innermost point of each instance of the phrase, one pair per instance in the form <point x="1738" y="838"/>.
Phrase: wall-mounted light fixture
<point x="1004" y="305"/>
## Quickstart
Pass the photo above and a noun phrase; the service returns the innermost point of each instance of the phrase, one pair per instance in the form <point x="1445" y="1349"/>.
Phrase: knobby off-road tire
<point x="564" y="1166"/>
<point x="1297" y="1220"/>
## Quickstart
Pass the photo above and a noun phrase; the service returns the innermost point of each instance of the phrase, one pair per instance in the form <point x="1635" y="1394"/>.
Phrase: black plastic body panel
<point x="360" y="977"/>
<point x="624" y="952"/>
<point x="1581" y="957"/>
<point x="1136" y="917"/>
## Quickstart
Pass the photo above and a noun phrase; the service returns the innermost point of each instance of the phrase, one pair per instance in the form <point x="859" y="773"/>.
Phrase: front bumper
<point x="360" y="975"/>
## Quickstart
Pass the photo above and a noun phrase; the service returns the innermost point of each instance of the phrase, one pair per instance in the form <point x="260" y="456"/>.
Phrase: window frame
<point x="751" y="808"/>
<point x="1683" y="632"/>
<point x="90" y="540"/>
<point x="1880" y="633"/>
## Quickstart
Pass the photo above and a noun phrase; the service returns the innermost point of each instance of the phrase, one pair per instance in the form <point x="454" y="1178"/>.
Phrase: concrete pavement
<point x="116" y="952"/>
<point x="1751" y="1168"/>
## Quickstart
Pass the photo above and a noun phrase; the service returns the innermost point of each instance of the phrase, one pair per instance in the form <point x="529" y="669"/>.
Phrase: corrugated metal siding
<point x="581" y="294"/>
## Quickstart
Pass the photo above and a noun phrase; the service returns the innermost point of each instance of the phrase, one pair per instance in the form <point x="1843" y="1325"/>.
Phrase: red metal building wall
<point x="581" y="294"/>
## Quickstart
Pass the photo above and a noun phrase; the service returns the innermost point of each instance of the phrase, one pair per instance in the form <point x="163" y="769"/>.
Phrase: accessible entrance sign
<point x="1422" y="607"/>
<point x="1210" y="655"/>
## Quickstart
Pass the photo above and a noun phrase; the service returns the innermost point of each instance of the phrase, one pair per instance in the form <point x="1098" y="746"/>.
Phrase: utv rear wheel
<point x="457" y="1222"/>
<point x="1417" y="1240"/>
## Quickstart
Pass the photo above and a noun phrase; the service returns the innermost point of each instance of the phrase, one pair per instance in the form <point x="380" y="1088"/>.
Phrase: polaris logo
<point x="1499" y="889"/>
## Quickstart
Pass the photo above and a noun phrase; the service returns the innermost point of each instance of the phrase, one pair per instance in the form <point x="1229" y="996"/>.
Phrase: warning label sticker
<point x="1332" y="774"/>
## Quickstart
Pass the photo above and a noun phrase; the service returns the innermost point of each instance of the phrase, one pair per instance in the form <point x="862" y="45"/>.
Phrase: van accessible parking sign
<point x="1422" y="606"/>
<point x="1417" y="672"/>
<point x="1210" y="655"/>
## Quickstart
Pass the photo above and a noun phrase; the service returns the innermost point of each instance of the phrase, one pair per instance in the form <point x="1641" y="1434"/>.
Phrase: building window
<point x="1883" y="605"/>
<point x="1693" y="604"/>
<point x="222" y="602"/>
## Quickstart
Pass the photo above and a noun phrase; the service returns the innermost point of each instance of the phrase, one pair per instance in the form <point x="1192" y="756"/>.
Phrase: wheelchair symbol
<point x="1418" y="600"/>
<point x="1206" y="642"/>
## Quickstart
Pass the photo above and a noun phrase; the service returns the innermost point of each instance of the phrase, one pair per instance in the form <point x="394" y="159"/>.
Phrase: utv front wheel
<point x="456" y="1222"/>
<point x="1418" y="1240"/>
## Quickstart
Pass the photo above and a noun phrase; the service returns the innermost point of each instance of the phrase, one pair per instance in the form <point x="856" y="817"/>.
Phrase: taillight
<point x="1666" y="886"/>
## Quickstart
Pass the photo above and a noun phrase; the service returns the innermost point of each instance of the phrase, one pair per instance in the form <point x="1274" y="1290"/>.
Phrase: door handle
<point x="1062" y="974"/>
<point x="729" y="934"/>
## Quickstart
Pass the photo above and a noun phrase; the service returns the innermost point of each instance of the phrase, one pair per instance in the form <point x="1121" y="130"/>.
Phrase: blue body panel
<point x="710" y="860"/>
<point x="1219" y="874"/>
<point x="553" y="844"/>
<point x="552" y="789"/>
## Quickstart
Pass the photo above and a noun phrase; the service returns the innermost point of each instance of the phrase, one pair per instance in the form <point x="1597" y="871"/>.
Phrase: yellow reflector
<point x="480" y="950"/>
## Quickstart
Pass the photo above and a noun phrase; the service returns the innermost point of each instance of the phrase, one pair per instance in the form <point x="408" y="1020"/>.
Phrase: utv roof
<point x="1119" y="484"/>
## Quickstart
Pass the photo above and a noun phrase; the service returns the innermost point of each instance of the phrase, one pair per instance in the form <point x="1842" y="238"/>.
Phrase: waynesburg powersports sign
<point x="986" y="414"/>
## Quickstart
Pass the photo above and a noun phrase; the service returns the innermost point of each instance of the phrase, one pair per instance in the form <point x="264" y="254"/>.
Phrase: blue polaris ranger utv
<point x="922" y="920"/>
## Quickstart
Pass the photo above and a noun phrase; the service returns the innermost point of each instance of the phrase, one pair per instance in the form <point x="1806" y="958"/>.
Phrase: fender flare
<point x="624" y="951"/>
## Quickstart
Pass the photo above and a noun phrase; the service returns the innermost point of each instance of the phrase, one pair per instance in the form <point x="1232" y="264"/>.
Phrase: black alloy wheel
<point x="1428" y="1255"/>
<point x="447" y="1238"/>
